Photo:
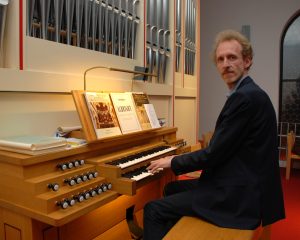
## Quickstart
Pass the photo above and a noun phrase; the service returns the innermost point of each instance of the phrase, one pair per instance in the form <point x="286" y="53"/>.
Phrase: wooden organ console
<point x="82" y="193"/>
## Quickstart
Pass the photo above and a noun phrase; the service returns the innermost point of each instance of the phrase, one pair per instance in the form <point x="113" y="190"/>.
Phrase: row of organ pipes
<point x="107" y="26"/>
<point x="189" y="36"/>
<point x="157" y="42"/>
<point x="3" y="10"/>
<point x="111" y="26"/>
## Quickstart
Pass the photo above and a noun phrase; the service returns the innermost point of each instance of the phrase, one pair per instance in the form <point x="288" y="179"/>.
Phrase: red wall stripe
<point x="145" y="4"/>
<point x="21" y="34"/>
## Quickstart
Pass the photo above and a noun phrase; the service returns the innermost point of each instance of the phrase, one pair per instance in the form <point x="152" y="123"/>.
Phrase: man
<point x="240" y="184"/>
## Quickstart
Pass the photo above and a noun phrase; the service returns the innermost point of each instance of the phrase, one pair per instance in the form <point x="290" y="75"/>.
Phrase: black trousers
<point x="160" y="215"/>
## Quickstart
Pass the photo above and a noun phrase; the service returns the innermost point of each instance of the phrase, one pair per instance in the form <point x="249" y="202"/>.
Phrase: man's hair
<point x="229" y="35"/>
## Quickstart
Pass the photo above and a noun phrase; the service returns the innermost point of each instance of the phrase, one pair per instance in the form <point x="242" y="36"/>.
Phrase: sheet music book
<point x="34" y="152"/>
<point x="32" y="142"/>
<point x="140" y="99"/>
<point x="125" y="111"/>
<point x="33" y="145"/>
<point x="102" y="113"/>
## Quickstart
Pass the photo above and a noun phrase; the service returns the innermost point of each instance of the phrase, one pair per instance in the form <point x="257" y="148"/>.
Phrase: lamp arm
<point x="85" y="72"/>
<point x="116" y="70"/>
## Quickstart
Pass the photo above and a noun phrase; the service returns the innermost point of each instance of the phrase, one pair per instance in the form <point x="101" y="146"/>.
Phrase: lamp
<point x="136" y="73"/>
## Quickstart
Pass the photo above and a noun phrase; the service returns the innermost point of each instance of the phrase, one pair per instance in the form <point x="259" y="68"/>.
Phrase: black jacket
<point x="240" y="185"/>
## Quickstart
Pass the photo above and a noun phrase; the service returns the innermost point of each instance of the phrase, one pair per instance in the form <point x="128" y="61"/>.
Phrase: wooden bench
<point x="191" y="228"/>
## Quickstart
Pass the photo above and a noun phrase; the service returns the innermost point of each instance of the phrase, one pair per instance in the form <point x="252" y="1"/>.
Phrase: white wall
<point x="41" y="114"/>
<point x="267" y="19"/>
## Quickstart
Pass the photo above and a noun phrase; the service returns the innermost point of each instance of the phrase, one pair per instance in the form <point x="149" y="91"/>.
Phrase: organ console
<point x="82" y="193"/>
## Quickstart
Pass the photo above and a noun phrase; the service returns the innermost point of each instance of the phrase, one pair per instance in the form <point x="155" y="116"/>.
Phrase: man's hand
<point x="159" y="164"/>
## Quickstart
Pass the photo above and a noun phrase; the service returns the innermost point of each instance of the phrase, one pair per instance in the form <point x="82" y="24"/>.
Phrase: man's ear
<point x="247" y="62"/>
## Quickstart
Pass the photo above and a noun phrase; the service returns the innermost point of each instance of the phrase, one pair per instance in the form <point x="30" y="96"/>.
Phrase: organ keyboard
<point x="130" y="160"/>
<point x="128" y="171"/>
<point x="57" y="188"/>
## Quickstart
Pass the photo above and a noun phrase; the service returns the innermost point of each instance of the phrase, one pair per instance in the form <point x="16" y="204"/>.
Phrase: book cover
<point x="140" y="99"/>
<point x="152" y="115"/>
<point x="102" y="113"/>
<point x="32" y="142"/>
<point x="125" y="111"/>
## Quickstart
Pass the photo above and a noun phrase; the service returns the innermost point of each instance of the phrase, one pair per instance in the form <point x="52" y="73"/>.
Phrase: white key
<point x="141" y="176"/>
<point x="138" y="160"/>
<point x="145" y="174"/>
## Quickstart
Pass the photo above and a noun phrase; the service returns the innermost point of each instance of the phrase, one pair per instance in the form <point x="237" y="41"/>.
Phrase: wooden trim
<point x="290" y="156"/>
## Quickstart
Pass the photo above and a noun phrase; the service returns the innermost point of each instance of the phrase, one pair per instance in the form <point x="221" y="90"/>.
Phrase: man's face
<point x="230" y="62"/>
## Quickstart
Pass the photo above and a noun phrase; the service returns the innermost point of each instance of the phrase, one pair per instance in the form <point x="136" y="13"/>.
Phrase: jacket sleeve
<point x="231" y="131"/>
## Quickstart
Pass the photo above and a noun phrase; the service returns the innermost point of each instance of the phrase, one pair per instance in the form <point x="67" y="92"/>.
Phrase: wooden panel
<point x="121" y="231"/>
<point x="102" y="219"/>
<point x="117" y="232"/>
<point x="14" y="226"/>
<point x="51" y="233"/>
<point x="12" y="233"/>
<point x="43" y="231"/>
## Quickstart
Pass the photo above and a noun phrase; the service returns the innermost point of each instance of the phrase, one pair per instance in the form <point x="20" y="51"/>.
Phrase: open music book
<point x="125" y="111"/>
<point x="102" y="114"/>
<point x="140" y="99"/>
<point x="149" y="108"/>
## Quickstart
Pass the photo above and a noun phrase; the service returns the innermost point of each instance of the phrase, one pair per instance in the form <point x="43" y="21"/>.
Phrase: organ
<point x="82" y="193"/>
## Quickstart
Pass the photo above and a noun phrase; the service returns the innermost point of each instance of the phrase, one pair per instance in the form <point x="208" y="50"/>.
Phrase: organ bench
<point x="191" y="228"/>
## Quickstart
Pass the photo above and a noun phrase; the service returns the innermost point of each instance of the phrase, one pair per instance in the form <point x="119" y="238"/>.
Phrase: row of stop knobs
<point x="75" y="180"/>
<point x="65" y="203"/>
<point x="81" y="178"/>
<point x="69" y="165"/>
